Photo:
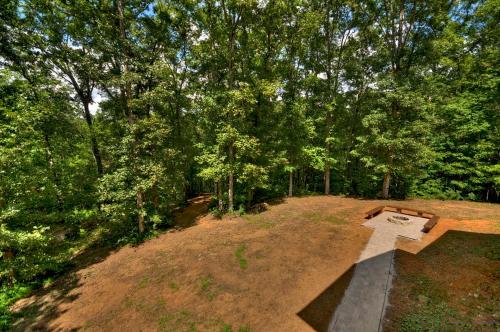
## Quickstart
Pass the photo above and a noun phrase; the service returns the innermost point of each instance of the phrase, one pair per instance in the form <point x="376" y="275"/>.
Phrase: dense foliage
<point x="113" y="112"/>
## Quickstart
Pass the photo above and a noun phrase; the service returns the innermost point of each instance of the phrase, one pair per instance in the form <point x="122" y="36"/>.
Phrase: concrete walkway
<point x="363" y="305"/>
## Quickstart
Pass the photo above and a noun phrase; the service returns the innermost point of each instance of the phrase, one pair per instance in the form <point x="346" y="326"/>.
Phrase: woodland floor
<point x="256" y="272"/>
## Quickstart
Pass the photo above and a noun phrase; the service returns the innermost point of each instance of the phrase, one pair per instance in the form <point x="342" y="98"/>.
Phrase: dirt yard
<point x="249" y="273"/>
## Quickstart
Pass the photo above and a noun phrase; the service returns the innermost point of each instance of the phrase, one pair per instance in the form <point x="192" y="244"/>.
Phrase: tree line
<point x="119" y="110"/>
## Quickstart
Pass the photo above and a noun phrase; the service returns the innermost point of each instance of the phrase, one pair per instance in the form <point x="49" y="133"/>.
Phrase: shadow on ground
<point x="42" y="307"/>
<point x="319" y="313"/>
<point x="196" y="209"/>
<point x="38" y="311"/>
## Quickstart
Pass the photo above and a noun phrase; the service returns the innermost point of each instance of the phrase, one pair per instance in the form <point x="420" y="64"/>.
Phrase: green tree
<point x="398" y="124"/>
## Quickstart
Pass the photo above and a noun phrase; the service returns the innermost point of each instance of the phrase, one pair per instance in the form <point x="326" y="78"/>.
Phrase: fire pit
<point x="400" y="220"/>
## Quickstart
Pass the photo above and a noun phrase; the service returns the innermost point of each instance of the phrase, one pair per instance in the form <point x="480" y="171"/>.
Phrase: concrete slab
<point x="363" y="305"/>
<point x="411" y="231"/>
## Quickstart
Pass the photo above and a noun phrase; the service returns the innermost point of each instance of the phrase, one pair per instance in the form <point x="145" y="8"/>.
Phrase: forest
<point x="114" y="112"/>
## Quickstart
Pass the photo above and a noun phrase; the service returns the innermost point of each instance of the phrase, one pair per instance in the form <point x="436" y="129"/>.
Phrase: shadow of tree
<point x="197" y="208"/>
<point x="38" y="311"/>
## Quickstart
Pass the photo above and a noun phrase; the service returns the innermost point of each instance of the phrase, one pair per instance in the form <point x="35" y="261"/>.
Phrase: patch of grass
<point x="145" y="306"/>
<point x="162" y="254"/>
<point x="48" y="282"/>
<point x="158" y="306"/>
<point x="260" y="221"/>
<point x="336" y="220"/>
<point x="127" y="302"/>
<point x="229" y="328"/>
<point x="205" y="283"/>
<point x="226" y="328"/>
<point x="208" y="288"/>
<point x="239" y="253"/>
<point x="433" y="317"/>
<point x="488" y="247"/>
<point x="179" y="321"/>
<point x="263" y="221"/>
<point x="173" y="285"/>
<point x="9" y="295"/>
<point x="423" y="285"/>
<point x="318" y="216"/>
<point x="259" y="255"/>
<point x="449" y="286"/>
<point x="471" y="251"/>
<point x="217" y="213"/>
<point x="144" y="282"/>
<point x="187" y="321"/>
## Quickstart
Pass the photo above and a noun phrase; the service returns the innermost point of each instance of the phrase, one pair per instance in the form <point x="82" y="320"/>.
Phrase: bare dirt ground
<point x="249" y="273"/>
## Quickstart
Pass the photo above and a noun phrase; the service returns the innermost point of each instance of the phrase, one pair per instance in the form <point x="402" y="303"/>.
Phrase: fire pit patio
<point x="433" y="219"/>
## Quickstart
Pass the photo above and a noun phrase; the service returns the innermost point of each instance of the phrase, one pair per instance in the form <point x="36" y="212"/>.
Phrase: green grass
<point x="435" y="317"/>
<point x="336" y="219"/>
<point x="41" y="266"/>
<point x="261" y="221"/>
<point x="226" y="328"/>
<point x="145" y="306"/>
<point x="423" y="285"/>
<point x="239" y="253"/>
<point x="173" y="285"/>
<point x="144" y="282"/>
<point x="127" y="302"/>
<point x="259" y="255"/>
<point x="488" y="247"/>
<point x="339" y="217"/>
<point x="179" y="321"/>
<point x="207" y="287"/>
<point x="188" y="321"/>
<point x="454" y="287"/>
<point x="229" y="328"/>
<point x="9" y="295"/>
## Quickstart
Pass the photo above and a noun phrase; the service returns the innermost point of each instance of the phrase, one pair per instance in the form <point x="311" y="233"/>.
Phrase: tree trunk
<point x="230" y="189"/>
<point x="52" y="171"/>
<point x="249" y="198"/>
<point x="140" y="205"/>
<point x="327" y="180"/>
<point x="290" y="184"/>
<point x="387" y="177"/>
<point x="8" y="253"/>
<point x="305" y="185"/>
<point x="386" y="184"/>
<point x="230" y="192"/>
<point x="93" y="141"/>
<point x="219" y="196"/>
<point x="156" y="195"/>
